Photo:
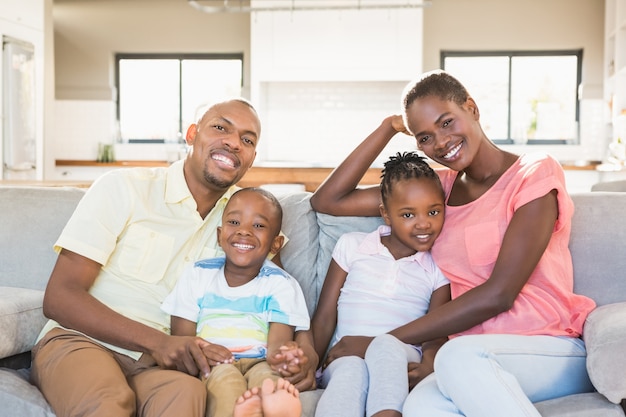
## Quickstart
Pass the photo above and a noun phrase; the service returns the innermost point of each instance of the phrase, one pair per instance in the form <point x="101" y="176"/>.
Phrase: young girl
<point x="504" y="250"/>
<point x="376" y="282"/>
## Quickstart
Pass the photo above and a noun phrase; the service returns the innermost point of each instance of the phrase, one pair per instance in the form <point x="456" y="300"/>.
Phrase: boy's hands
<point x="286" y="361"/>
<point x="293" y="364"/>
<point x="217" y="354"/>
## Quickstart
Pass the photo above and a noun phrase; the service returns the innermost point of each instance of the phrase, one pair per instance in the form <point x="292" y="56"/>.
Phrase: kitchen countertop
<point x="309" y="178"/>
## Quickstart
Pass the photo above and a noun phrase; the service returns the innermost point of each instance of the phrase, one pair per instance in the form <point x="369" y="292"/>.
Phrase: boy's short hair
<point x="269" y="196"/>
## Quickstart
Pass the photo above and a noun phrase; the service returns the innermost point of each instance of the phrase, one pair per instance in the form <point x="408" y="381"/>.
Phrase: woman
<point x="514" y="322"/>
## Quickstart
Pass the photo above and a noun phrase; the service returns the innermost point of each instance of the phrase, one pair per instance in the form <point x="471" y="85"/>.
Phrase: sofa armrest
<point x="21" y="319"/>
<point x="605" y="338"/>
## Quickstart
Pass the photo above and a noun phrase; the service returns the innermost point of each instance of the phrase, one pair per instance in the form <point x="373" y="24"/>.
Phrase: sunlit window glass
<point x="523" y="97"/>
<point x="159" y="96"/>
<point x="149" y="99"/>
<point x="543" y="98"/>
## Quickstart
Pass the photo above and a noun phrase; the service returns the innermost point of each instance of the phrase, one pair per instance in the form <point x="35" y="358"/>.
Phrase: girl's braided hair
<point x="404" y="166"/>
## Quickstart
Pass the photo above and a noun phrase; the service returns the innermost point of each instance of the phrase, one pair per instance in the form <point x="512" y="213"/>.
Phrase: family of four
<point x="169" y="286"/>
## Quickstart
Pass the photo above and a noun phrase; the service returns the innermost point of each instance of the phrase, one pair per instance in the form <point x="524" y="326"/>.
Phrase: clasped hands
<point x="195" y="356"/>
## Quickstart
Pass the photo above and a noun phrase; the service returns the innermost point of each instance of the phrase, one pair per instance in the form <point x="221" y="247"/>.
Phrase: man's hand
<point x="348" y="346"/>
<point x="183" y="353"/>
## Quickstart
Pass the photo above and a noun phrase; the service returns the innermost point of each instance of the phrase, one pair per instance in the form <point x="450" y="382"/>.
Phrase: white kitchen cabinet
<point x="615" y="66"/>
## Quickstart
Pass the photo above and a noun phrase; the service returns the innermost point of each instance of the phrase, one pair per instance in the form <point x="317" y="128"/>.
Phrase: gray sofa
<point x="31" y="218"/>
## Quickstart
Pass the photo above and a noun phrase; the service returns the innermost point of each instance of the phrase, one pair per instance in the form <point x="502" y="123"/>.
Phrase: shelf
<point x="115" y="164"/>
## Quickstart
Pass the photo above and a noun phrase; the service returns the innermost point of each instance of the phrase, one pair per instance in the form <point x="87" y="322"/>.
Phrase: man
<point x="107" y="349"/>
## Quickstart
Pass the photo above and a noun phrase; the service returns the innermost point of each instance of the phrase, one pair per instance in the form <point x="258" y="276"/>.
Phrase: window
<point x="524" y="97"/>
<point x="160" y="95"/>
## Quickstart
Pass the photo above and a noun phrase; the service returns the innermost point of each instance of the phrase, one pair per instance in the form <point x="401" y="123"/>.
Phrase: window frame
<point x="173" y="56"/>
<point x="578" y="53"/>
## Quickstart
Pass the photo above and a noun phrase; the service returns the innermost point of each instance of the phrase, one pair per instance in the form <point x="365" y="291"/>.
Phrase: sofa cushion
<point x="31" y="221"/>
<point x="300" y="253"/>
<point x="19" y="398"/>
<point x="331" y="228"/>
<point x="21" y="319"/>
<point x="605" y="338"/>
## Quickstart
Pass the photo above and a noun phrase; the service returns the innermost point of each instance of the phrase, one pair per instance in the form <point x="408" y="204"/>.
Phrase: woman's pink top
<point x="469" y="244"/>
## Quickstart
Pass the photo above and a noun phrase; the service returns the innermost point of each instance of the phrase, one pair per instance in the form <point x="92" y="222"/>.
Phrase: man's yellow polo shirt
<point x="142" y="226"/>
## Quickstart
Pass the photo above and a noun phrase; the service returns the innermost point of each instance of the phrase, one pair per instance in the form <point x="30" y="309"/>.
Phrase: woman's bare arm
<point x="338" y="194"/>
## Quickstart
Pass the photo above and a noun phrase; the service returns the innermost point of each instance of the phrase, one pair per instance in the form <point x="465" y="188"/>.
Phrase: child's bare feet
<point x="281" y="399"/>
<point x="249" y="404"/>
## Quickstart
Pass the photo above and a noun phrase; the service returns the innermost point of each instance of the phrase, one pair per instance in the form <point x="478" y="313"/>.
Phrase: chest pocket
<point x="483" y="243"/>
<point x="143" y="254"/>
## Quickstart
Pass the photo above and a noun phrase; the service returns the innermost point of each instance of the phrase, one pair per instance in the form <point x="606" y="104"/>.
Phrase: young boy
<point x="242" y="303"/>
<point x="379" y="281"/>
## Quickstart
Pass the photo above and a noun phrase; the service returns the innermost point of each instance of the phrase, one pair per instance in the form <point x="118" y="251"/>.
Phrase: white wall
<point x="322" y="80"/>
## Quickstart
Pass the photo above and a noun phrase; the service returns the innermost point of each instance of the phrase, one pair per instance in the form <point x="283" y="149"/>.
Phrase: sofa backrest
<point x="31" y="220"/>
<point x="299" y="256"/>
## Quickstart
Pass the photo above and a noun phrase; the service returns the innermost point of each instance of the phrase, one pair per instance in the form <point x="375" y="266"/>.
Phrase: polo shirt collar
<point x="176" y="189"/>
<point x="372" y="245"/>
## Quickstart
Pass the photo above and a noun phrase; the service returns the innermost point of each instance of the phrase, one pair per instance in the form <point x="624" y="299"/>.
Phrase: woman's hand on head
<point x="397" y="122"/>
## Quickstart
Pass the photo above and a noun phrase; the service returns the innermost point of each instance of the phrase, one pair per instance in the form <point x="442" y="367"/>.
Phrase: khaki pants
<point x="227" y="382"/>
<point x="79" y="377"/>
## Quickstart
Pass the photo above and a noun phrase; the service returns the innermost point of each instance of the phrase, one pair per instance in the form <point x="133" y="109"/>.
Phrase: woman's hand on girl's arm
<point x="338" y="194"/>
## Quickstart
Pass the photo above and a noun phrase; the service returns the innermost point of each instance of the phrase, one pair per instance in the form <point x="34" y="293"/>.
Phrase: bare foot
<point x="280" y="400"/>
<point x="249" y="404"/>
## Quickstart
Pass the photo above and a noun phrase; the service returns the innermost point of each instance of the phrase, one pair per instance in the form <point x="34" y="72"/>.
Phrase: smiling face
<point x="250" y="231"/>
<point x="415" y="212"/>
<point x="223" y="145"/>
<point x="446" y="132"/>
